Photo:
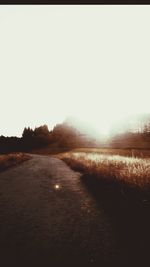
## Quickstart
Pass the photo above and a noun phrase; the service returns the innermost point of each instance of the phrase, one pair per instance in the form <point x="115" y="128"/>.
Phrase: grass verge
<point x="130" y="171"/>
<point x="127" y="152"/>
<point x="10" y="160"/>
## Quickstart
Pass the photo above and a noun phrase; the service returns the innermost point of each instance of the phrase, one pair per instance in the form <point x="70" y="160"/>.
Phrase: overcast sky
<point x="92" y="62"/>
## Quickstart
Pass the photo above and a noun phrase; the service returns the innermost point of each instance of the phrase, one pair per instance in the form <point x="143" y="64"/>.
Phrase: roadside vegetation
<point x="107" y="165"/>
<point x="128" y="152"/>
<point x="10" y="160"/>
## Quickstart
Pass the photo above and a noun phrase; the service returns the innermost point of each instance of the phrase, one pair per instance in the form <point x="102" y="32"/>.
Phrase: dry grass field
<point x="10" y="160"/>
<point x="131" y="167"/>
<point x="129" y="152"/>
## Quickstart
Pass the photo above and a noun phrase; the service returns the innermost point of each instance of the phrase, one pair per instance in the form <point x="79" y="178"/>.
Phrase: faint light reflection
<point x="57" y="186"/>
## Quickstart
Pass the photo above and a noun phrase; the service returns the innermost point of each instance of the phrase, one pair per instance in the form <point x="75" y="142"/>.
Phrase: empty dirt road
<point x="49" y="218"/>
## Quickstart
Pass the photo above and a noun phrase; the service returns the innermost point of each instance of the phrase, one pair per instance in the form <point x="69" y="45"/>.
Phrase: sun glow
<point x="101" y="122"/>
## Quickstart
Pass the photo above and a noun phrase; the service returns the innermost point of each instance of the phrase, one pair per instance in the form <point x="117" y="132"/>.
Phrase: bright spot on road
<point x="57" y="186"/>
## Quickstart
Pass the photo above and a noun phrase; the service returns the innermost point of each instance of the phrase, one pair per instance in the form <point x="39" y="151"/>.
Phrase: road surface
<point x="49" y="218"/>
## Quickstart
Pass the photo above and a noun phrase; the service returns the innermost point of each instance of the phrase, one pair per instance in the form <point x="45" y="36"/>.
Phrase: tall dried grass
<point x="129" y="170"/>
<point x="9" y="160"/>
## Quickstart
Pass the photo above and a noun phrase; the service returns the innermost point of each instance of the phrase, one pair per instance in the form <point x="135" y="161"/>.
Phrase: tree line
<point x="139" y="138"/>
<point x="62" y="136"/>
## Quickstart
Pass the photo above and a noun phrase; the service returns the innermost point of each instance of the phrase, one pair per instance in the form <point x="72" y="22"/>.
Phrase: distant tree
<point x="36" y="138"/>
<point x="27" y="133"/>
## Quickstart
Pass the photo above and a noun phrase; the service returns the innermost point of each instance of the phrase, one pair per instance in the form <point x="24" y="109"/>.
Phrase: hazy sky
<point x="92" y="62"/>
